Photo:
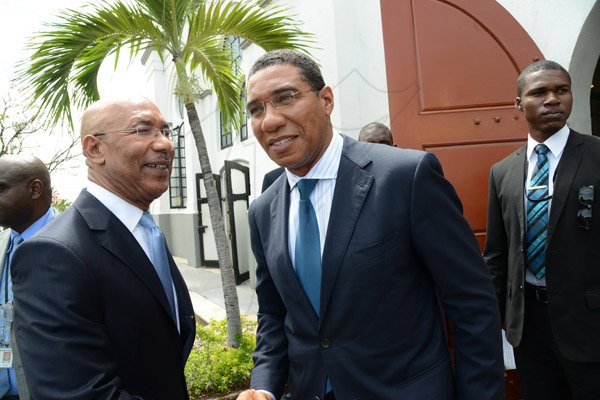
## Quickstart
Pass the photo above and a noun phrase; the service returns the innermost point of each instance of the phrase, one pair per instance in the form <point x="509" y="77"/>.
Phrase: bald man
<point x="107" y="315"/>
<point x="376" y="132"/>
<point x="25" y="199"/>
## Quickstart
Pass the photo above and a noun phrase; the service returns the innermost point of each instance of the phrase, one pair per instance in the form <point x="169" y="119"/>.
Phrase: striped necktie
<point x="537" y="214"/>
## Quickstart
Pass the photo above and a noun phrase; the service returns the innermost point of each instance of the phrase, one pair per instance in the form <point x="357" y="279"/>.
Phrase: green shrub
<point x="215" y="368"/>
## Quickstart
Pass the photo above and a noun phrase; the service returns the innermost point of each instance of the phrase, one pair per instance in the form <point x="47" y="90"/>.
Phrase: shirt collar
<point x="127" y="213"/>
<point x="555" y="143"/>
<point x="326" y="167"/>
<point x="36" y="226"/>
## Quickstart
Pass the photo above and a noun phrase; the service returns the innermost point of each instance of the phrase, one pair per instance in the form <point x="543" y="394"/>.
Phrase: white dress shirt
<point x="325" y="170"/>
<point x="130" y="216"/>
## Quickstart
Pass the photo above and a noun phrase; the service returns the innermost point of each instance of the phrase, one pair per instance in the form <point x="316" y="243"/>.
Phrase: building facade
<point x="441" y="73"/>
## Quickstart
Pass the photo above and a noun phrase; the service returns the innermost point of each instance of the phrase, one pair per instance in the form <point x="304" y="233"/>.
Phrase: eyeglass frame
<point x="287" y="92"/>
<point x="136" y="130"/>
<point x="584" y="215"/>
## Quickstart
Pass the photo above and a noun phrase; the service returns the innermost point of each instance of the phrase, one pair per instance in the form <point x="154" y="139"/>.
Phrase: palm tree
<point x="62" y="72"/>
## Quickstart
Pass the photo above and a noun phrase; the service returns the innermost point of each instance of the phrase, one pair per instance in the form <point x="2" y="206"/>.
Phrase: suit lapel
<point x="516" y="185"/>
<point x="351" y="188"/>
<point x="119" y="241"/>
<point x="279" y="256"/>
<point x="565" y="173"/>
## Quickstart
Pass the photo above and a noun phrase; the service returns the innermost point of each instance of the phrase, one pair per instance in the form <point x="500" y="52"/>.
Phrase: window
<point x="234" y="45"/>
<point x="226" y="134"/>
<point x="178" y="185"/>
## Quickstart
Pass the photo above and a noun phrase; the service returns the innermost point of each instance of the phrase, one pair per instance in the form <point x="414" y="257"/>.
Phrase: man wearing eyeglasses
<point x="543" y="244"/>
<point x="351" y="245"/>
<point x="102" y="311"/>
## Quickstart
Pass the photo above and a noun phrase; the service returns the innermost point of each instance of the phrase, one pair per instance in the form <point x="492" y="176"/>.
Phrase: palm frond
<point x="63" y="70"/>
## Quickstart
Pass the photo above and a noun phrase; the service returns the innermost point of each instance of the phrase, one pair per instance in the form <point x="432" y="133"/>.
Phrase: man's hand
<point x="252" y="394"/>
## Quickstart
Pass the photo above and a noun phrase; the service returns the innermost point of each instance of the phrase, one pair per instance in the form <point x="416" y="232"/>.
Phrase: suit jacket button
<point x="521" y="287"/>
<point x="325" y="343"/>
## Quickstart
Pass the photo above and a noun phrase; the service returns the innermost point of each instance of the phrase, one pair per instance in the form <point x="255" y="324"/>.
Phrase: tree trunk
<point x="232" y="307"/>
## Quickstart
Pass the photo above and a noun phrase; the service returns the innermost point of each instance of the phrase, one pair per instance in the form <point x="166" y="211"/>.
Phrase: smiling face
<point x="134" y="167"/>
<point x="297" y="135"/>
<point x="546" y="101"/>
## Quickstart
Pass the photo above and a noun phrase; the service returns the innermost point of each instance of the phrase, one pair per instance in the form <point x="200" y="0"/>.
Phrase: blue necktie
<point x="158" y="250"/>
<point x="537" y="214"/>
<point x="308" y="245"/>
<point x="6" y="294"/>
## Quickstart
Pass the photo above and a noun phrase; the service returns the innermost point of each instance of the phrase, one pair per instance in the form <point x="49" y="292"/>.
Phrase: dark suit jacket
<point x="572" y="253"/>
<point x="271" y="177"/>
<point x="92" y="318"/>
<point x="396" y="233"/>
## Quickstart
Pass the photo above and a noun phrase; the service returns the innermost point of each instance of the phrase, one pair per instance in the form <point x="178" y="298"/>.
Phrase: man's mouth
<point x="282" y="142"/>
<point x="157" y="166"/>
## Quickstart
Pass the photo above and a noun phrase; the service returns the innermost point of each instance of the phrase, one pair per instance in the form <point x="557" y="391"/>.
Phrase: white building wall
<point x="349" y="48"/>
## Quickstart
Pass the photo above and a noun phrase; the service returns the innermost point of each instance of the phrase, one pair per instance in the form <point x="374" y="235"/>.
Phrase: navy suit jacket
<point x="396" y="236"/>
<point x="572" y="253"/>
<point x="91" y="316"/>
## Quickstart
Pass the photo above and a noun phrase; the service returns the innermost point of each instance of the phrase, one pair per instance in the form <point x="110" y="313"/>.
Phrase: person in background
<point x="101" y="310"/>
<point x="376" y="132"/>
<point x="542" y="246"/>
<point x="25" y="207"/>
<point x="351" y="245"/>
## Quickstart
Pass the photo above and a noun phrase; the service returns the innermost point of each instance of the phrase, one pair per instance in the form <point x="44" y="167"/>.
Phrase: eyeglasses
<point x="586" y="198"/>
<point x="142" y="131"/>
<point x="279" y="101"/>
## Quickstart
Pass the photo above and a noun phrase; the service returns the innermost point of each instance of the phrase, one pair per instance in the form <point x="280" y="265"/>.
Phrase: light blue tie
<point x="158" y="251"/>
<point x="308" y="245"/>
<point x="537" y="214"/>
<point x="6" y="295"/>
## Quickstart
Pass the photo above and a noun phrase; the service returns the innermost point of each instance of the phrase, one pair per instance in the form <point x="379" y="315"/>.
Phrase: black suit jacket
<point x="572" y="253"/>
<point x="396" y="234"/>
<point x="92" y="318"/>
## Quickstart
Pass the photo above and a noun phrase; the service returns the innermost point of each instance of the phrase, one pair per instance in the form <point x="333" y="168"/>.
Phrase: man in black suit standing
<point x="348" y="273"/>
<point x="102" y="311"/>
<point x="543" y="243"/>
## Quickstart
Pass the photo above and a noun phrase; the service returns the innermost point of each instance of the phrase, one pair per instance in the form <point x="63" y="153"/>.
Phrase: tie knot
<point x="147" y="221"/>
<point x="541" y="150"/>
<point x="306" y="186"/>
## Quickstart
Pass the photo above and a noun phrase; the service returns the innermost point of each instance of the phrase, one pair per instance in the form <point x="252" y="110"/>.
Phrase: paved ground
<point x="207" y="293"/>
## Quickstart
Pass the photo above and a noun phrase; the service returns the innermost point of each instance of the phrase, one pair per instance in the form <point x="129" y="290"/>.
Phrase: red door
<point x="452" y="67"/>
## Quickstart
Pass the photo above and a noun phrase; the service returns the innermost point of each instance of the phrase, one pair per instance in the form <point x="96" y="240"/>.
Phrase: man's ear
<point x="93" y="150"/>
<point x="518" y="105"/>
<point x="326" y="95"/>
<point x="36" y="189"/>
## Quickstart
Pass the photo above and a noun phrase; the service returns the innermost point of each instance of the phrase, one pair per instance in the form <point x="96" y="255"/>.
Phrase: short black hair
<point x="542" y="65"/>
<point x="307" y="67"/>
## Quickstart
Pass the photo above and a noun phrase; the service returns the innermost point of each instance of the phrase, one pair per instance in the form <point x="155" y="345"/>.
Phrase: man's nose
<point x="272" y="119"/>
<point x="552" y="98"/>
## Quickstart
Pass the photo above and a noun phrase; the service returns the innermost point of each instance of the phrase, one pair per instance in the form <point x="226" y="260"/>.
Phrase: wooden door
<point x="452" y="67"/>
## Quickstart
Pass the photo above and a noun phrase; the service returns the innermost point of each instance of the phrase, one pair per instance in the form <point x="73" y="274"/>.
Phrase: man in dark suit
<point x="25" y="207"/>
<point x="543" y="242"/>
<point x="102" y="311"/>
<point x="360" y="320"/>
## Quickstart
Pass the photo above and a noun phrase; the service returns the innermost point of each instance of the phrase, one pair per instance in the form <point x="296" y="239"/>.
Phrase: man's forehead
<point x="543" y="77"/>
<point x="270" y="79"/>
